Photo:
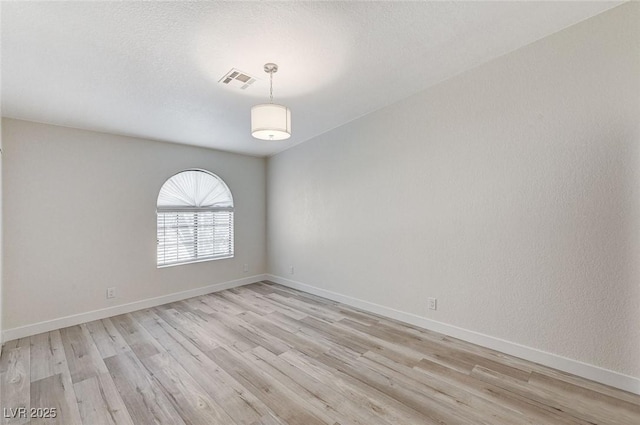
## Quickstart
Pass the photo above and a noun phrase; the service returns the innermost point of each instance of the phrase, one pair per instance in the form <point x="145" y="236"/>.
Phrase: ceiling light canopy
<point x="270" y="121"/>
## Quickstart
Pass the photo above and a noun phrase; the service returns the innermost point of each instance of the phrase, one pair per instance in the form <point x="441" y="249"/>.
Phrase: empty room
<point x="310" y="213"/>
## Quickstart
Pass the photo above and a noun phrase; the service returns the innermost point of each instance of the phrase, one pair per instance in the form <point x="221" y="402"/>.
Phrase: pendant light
<point x="270" y="121"/>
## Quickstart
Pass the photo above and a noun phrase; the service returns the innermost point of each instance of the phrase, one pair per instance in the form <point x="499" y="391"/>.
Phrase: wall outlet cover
<point x="432" y="303"/>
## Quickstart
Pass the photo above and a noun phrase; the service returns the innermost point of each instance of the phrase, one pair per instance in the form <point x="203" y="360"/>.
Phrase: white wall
<point x="79" y="216"/>
<point x="1" y="233"/>
<point x="509" y="192"/>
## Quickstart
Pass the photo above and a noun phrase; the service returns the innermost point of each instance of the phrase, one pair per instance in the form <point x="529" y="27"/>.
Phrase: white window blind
<point x="194" y="219"/>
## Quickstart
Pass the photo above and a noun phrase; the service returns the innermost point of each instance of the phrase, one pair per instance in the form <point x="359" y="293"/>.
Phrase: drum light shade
<point x="270" y="122"/>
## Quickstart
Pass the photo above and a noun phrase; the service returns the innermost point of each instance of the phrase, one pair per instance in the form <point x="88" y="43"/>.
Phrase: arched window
<point x="195" y="219"/>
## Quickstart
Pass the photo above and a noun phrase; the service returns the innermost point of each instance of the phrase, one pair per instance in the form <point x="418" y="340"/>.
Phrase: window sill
<point x="194" y="261"/>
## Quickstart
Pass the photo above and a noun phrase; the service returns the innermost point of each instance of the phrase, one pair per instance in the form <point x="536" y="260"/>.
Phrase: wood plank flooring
<point x="264" y="354"/>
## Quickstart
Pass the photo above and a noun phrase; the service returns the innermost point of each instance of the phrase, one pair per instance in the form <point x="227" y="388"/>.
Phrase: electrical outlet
<point x="111" y="292"/>
<point x="245" y="268"/>
<point x="432" y="303"/>
<point x="291" y="270"/>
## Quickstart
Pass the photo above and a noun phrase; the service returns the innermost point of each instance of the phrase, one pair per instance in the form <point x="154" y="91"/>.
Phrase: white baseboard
<point x="76" y="319"/>
<point x="575" y="367"/>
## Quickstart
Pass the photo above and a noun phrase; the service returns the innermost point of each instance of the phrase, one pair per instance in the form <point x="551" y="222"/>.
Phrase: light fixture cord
<point x="271" y="86"/>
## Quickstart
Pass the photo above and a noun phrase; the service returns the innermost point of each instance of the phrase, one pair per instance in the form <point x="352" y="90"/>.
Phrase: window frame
<point x="167" y="210"/>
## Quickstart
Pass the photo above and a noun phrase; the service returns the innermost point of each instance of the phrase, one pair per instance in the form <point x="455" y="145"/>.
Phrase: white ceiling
<point x="151" y="69"/>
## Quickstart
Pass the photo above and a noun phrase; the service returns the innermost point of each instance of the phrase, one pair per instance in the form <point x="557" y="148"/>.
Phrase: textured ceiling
<point x="151" y="69"/>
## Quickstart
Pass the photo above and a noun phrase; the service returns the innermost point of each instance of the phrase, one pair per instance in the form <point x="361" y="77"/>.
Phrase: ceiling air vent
<point x="237" y="78"/>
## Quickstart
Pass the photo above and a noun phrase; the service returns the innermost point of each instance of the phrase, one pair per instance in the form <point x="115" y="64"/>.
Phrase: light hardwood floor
<point x="269" y="355"/>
